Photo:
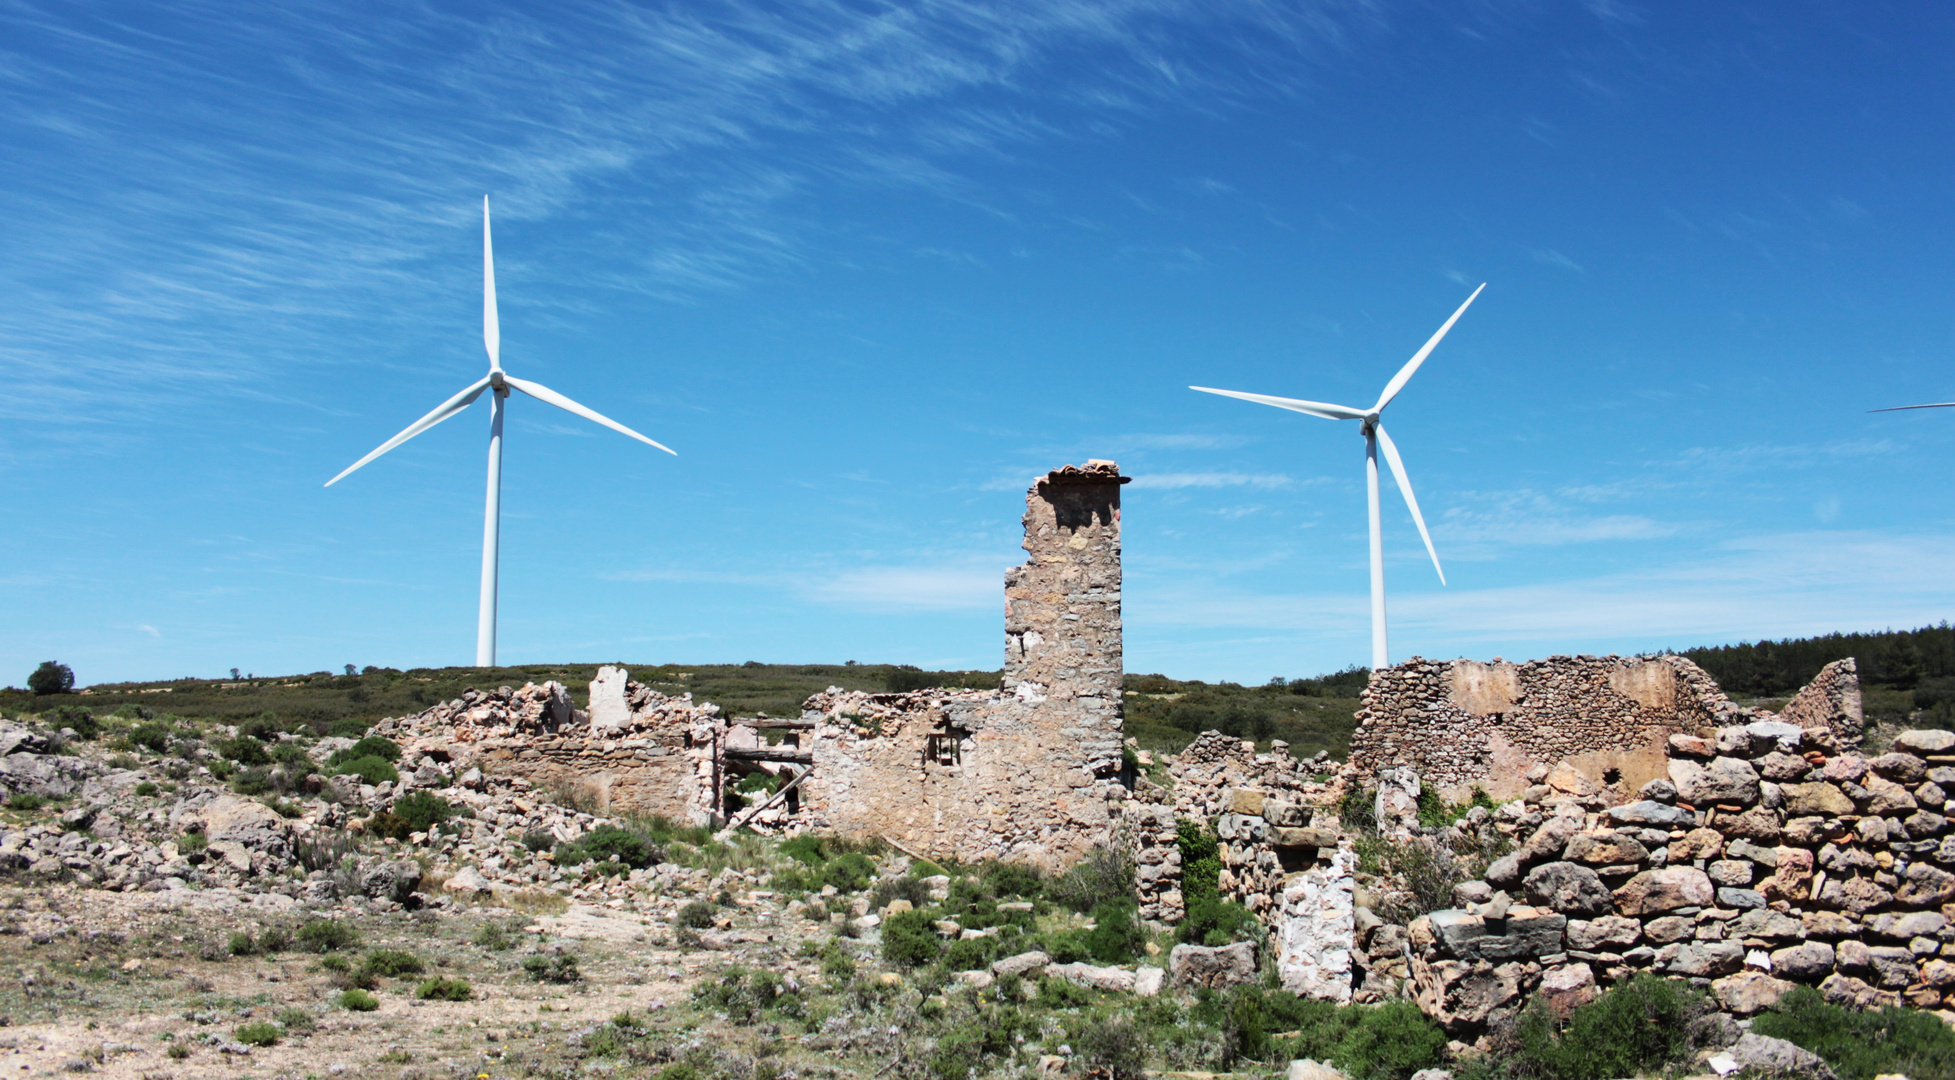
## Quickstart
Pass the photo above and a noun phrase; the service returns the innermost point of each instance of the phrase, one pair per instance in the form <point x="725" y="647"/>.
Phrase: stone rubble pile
<point x="1768" y="857"/>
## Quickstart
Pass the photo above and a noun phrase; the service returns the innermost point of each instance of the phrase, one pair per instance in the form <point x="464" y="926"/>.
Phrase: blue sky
<point x="869" y="268"/>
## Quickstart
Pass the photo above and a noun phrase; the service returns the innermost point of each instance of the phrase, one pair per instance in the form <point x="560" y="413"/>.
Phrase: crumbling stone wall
<point x="636" y="752"/>
<point x="1030" y="772"/>
<point x="1462" y="724"/>
<point x="1264" y="808"/>
<point x="1767" y="856"/>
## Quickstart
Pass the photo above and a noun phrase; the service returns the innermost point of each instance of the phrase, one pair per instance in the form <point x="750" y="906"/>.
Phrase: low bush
<point x="1863" y="1045"/>
<point x="744" y="994"/>
<point x="634" y="850"/>
<point x="274" y="939"/>
<point x="154" y="736"/>
<point x="423" y="810"/>
<point x="1113" y="1048"/>
<point x="244" y="750"/>
<point x="1201" y="862"/>
<point x="1634" y="1027"/>
<point x="1392" y="1041"/>
<point x="297" y="1021"/>
<point x="850" y="872"/>
<point x="560" y="968"/>
<point x="252" y="781"/>
<point x="494" y="937"/>
<point x="1116" y="935"/>
<point x="358" y="1000"/>
<point x="147" y="788"/>
<point x="909" y="939"/>
<point x="1013" y="880"/>
<point x="805" y="849"/>
<point x="243" y="944"/>
<point x="327" y="935"/>
<point x="1106" y="874"/>
<point x="698" y="915"/>
<point x="392" y="963"/>
<point x="1214" y="921"/>
<point x="370" y="770"/>
<point x="388" y="825"/>
<point x="347" y="728"/>
<point x="25" y="800"/>
<point x="258" y="1033"/>
<point x="441" y="988"/>
<point x="292" y="756"/>
<point x="899" y="888"/>
<point x="373" y="746"/>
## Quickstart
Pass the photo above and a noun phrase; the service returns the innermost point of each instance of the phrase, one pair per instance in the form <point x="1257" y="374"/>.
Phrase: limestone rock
<point x="1903" y="768"/>
<point x="1149" y="980"/>
<point x="1816" y="798"/>
<point x="1926" y="885"/>
<point x="1653" y="812"/>
<point x="1776" y="1057"/>
<point x="1884" y="796"/>
<point x="1214" y="967"/>
<point x="1926" y="742"/>
<point x="1724" y="780"/>
<point x="1595" y="935"/>
<point x="1315" y="931"/>
<point x="1706" y="959"/>
<point x="1606" y="849"/>
<point x="1653" y="892"/>
<point x="1117" y="980"/>
<point x="1749" y="992"/>
<point x="1306" y="1069"/>
<point x="1020" y="964"/>
<point x="1567" y="888"/>
<point x="1809" y="962"/>
<point x="1568" y="987"/>
<point x="467" y="881"/>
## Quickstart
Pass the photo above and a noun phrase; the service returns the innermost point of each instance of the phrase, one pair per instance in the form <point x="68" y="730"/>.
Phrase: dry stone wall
<point x="1461" y="724"/>
<point x="1768" y="856"/>
<point x="637" y="751"/>
<point x="1028" y="773"/>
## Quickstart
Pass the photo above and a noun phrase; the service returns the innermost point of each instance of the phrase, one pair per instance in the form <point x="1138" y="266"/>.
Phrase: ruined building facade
<point x="1030" y="772"/>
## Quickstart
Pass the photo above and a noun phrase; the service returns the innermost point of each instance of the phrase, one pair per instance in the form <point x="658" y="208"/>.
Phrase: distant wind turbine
<point x="501" y="384"/>
<point x="1904" y="408"/>
<point x="1374" y="437"/>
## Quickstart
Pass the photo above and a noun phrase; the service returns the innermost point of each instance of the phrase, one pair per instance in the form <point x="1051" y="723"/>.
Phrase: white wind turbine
<point x="1374" y="437"/>
<point x="501" y="383"/>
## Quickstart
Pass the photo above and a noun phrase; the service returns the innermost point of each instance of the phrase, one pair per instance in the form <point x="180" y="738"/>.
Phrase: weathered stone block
<point x="1749" y="992"/>
<point x="1605" y="849"/>
<point x="1605" y="932"/>
<point x="1310" y="837"/>
<point x="1724" y="780"/>
<point x="1246" y="801"/>
<point x="1706" y="959"/>
<point x="1926" y="742"/>
<point x="1217" y="968"/>
<point x="1653" y="892"/>
<point x="1808" y="962"/>
<point x="1816" y="798"/>
<point x="1567" y="888"/>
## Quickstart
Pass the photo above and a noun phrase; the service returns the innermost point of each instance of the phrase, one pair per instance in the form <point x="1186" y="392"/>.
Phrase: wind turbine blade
<point x="491" y="326"/>
<point x="544" y="393"/>
<point x="442" y="412"/>
<point x="1313" y="408"/>
<point x="1904" y="408"/>
<point x="1405" y="488"/>
<point x="1411" y="366"/>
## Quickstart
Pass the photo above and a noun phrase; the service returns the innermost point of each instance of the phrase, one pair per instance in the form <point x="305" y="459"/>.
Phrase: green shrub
<point x="1113" y="1048"/>
<point x="392" y="963"/>
<point x="258" y="1033"/>
<point x="25" y="800"/>
<point x="297" y="1021"/>
<point x="745" y="994"/>
<point x="74" y="718"/>
<point x="969" y="1048"/>
<point x="909" y="940"/>
<point x="537" y="840"/>
<point x="1392" y="1041"/>
<point x="634" y="850"/>
<point x="327" y="935"/>
<point x="191" y="842"/>
<point x="1862" y="1045"/>
<point x="494" y="937"/>
<point x="243" y="944"/>
<point x="558" y="968"/>
<point x="1201" y="862"/>
<point x="1013" y="879"/>
<point x="154" y="736"/>
<point x="389" y="825"/>
<point x="1116" y="935"/>
<point x="1214" y="921"/>
<point x="972" y="954"/>
<point x="805" y="849"/>
<point x="698" y="915"/>
<point x="422" y="810"/>
<point x="147" y="788"/>
<point x="335" y="963"/>
<point x="836" y="963"/>
<point x="252" y="781"/>
<point x="371" y="770"/>
<point x="1635" y="1026"/>
<point x="441" y="988"/>
<point x="372" y="746"/>
<point x="244" y="750"/>
<point x="851" y="872"/>
<point x="1105" y="875"/>
<point x="292" y="756"/>
<point x="274" y="939"/>
<point x="358" y="1000"/>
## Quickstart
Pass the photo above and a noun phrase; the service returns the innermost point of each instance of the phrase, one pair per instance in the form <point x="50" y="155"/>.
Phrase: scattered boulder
<point x="1215" y="967"/>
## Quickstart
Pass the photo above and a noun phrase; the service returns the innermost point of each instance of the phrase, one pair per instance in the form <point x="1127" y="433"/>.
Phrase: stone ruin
<point x="1642" y="819"/>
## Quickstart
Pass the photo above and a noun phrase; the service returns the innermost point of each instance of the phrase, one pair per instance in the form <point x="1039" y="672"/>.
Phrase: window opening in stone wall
<point x="945" y="749"/>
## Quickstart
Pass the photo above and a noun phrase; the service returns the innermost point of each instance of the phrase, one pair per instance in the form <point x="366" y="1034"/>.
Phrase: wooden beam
<point x="778" y="796"/>
<point x="770" y="753"/>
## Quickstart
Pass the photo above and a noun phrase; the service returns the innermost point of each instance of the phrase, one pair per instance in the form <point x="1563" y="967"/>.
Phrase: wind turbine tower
<point x="1370" y="422"/>
<point x="500" y="383"/>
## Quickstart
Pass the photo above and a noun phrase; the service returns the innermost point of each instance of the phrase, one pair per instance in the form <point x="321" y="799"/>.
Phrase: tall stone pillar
<point x="1062" y="611"/>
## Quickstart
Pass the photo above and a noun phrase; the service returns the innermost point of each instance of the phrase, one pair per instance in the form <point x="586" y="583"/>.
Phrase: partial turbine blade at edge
<point x="491" y="325"/>
<point x="442" y="412"/>
<point x="1405" y="488"/>
<point x="1904" y="408"/>
<point x="1412" y="366"/>
<point x="1313" y="408"/>
<point x="544" y="393"/>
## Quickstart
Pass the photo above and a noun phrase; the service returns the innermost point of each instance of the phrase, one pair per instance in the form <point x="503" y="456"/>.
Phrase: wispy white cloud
<point x="914" y="588"/>
<point x="1551" y="257"/>
<point x="1174" y="481"/>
